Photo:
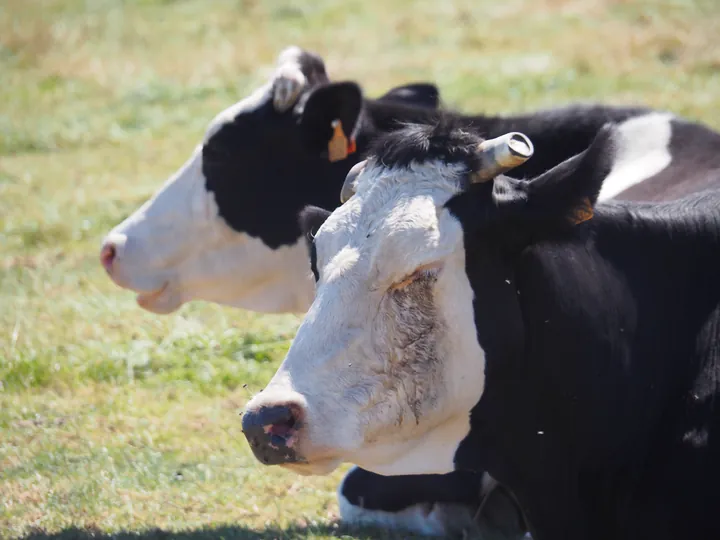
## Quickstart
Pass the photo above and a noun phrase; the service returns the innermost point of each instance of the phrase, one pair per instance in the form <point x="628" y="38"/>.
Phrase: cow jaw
<point x="432" y="453"/>
<point x="162" y="301"/>
<point x="386" y="363"/>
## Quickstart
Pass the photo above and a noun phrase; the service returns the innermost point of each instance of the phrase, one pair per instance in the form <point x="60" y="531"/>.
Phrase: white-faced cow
<point x="465" y="320"/>
<point x="224" y="227"/>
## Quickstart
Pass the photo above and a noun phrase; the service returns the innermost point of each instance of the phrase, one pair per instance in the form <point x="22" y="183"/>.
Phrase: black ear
<point x="335" y="101"/>
<point x="570" y="189"/>
<point x="419" y="94"/>
<point x="564" y="195"/>
<point x="311" y="219"/>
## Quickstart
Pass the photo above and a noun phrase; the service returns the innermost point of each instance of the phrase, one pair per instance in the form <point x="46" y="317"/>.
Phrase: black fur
<point x="264" y="167"/>
<point x="264" y="160"/>
<point x="442" y="140"/>
<point x="603" y="358"/>
<point x="402" y="491"/>
<point x="261" y="161"/>
<point x="557" y="134"/>
<point x="311" y="219"/>
<point x="420" y="94"/>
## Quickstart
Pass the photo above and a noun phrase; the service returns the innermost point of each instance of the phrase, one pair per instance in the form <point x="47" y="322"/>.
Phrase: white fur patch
<point x="643" y="151"/>
<point x="431" y="453"/>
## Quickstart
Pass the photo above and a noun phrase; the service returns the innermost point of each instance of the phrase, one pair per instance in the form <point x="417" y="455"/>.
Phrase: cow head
<point x="387" y="364"/>
<point x="224" y="227"/>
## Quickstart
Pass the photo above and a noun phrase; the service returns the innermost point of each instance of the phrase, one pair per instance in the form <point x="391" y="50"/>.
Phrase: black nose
<point x="272" y="433"/>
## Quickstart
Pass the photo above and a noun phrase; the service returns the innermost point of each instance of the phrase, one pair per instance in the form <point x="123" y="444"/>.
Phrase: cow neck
<point x="608" y="319"/>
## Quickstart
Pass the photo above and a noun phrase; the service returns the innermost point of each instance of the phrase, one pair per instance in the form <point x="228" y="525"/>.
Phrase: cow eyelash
<point x="422" y="272"/>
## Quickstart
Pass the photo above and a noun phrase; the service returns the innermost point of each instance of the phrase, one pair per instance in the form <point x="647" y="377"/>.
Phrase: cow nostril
<point x="278" y="420"/>
<point x="273" y="432"/>
<point x="283" y="428"/>
<point x="107" y="256"/>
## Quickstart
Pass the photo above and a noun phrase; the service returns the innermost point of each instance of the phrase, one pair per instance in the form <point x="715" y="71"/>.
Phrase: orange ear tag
<point x="582" y="213"/>
<point x="339" y="147"/>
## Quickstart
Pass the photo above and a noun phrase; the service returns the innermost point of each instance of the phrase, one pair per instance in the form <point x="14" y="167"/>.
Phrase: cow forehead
<point x="378" y="183"/>
<point x="396" y="212"/>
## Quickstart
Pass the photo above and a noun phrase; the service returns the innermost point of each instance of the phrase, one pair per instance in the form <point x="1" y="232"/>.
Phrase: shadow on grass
<point x="222" y="532"/>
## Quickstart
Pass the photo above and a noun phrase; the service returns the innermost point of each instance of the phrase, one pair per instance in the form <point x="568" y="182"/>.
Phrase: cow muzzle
<point x="273" y="432"/>
<point x="128" y="267"/>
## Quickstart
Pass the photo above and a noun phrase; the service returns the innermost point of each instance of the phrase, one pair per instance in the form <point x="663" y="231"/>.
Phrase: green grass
<point x="114" y="421"/>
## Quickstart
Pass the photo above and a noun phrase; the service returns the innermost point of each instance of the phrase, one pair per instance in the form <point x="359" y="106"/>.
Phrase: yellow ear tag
<point x="584" y="212"/>
<point x="338" y="145"/>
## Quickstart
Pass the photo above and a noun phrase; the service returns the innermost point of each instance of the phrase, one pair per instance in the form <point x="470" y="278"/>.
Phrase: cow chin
<point x="162" y="302"/>
<point x="316" y="468"/>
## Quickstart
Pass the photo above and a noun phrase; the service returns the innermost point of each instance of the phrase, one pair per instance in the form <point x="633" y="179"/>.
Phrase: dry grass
<point x="113" y="419"/>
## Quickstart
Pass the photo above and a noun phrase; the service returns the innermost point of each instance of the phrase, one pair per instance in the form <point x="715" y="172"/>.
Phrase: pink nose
<point x="107" y="256"/>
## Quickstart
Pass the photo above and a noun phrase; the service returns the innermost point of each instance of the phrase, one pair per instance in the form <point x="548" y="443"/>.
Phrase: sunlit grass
<point x="113" y="419"/>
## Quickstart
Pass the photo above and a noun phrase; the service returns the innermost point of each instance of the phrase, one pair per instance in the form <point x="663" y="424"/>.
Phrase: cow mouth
<point x="148" y="300"/>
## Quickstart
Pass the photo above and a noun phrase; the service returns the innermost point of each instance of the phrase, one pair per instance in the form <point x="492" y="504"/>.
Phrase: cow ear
<point x="419" y="94"/>
<point x="331" y="113"/>
<point x="311" y="219"/>
<point x="570" y="190"/>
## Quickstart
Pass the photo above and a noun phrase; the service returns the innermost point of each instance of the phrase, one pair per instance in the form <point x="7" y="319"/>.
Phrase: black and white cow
<point x="224" y="227"/>
<point x="219" y="230"/>
<point x="468" y="321"/>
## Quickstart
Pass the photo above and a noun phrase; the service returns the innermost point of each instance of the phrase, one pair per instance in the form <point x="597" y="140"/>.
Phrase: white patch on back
<point x="643" y="151"/>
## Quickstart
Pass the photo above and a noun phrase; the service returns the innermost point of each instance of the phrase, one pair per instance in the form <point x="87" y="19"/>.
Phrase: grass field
<point x="114" y="421"/>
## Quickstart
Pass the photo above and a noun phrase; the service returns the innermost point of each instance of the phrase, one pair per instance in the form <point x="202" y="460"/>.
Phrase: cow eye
<point x="421" y="273"/>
